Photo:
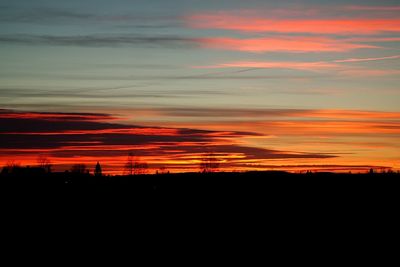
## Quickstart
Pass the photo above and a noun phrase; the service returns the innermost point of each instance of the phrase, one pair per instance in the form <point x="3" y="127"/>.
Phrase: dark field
<point x="324" y="202"/>
<point x="272" y="184"/>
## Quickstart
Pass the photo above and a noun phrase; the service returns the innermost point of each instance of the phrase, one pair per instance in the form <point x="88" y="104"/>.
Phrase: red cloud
<point x="7" y="114"/>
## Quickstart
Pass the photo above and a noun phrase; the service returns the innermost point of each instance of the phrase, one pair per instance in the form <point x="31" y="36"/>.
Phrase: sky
<point x="260" y="85"/>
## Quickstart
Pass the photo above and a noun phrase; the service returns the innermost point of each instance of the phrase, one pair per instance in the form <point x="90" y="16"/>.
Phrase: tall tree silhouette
<point x="97" y="170"/>
<point x="128" y="168"/>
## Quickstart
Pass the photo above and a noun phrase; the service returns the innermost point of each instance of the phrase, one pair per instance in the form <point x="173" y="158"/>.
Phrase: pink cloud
<point x="245" y="23"/>
<point x="282" y="44"/>
<point x="373" y="39"/>
<point x="340" y="66"/>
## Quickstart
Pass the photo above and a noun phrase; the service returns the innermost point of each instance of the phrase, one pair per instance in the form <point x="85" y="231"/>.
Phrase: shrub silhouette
<point x="79" y="169"/>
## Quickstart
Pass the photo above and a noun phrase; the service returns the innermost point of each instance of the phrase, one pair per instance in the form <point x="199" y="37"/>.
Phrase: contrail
<point x="365" y="59"/>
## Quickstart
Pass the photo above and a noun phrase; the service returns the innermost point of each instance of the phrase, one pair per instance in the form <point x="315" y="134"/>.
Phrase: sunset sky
<point x="262" y="85"/>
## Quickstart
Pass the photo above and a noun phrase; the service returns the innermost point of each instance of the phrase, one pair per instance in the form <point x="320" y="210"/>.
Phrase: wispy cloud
<point x="362" y="72"/>
<point x="312" y="66"/>
<point x="53" y="116"/>
<point x="366" y="59"/>
<point x="339" y="65"/>
<point x="226" y="20"/>
<point x="65" y="16"/>
<point x="282" y="44"/>
<point x="246" y="113"/>
<point x="22" y="15"/>
<point x="296" y="128"/>
<point x="100" y="40"/>
<point x="372" y="8"/>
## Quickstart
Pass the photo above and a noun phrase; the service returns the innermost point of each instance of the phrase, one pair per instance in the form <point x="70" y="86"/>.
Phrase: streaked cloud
<point x="261" y="84"/>
<point x="278" y="113"/>
<point x="82" y="137"/>
<point x="369" y="72"/>
<point x="282" y="44"/>
<point x="340" y="66"/>
<point x="312" y="66"/>
<point x="366" y="59"/>
<point x="375" y="39"/>
<point x="9" y="114"/>
<point x="372" y="8"/>
<point x="67" y="16"/>
<point x="109" y="40"/>
<point x="235" y="21"/>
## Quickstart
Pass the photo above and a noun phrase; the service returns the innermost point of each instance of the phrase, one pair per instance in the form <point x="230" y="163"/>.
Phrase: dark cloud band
<point x="60" y="132"/>
<point x="99" y="40"/>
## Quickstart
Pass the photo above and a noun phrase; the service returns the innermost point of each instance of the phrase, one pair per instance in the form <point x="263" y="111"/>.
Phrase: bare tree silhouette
<point x="44" y="163"/>
<point x="141" y="167"/>
<point x="134" y="166"/>
<point x="12" y="164"/>
<point x="10" y="167"/>
<point x="209" y="163"/>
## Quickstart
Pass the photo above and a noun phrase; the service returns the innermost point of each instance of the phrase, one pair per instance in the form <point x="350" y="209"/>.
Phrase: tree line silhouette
<point x="134" y="166"/>
<point x="209" y="163"/>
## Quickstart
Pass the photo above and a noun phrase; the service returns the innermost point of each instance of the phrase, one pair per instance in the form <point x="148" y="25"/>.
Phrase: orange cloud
<point x="349" y="114"/>
<point x="300" y="122"/>
<point x="300" y="136"/>
<point x="303" y="128"/>
<point x="332" y="127"/>
<point x="75" y="138"/>
<point x="192" y="114"/>
<point x="282" y="44"/>
<point x="245" y="23"/>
